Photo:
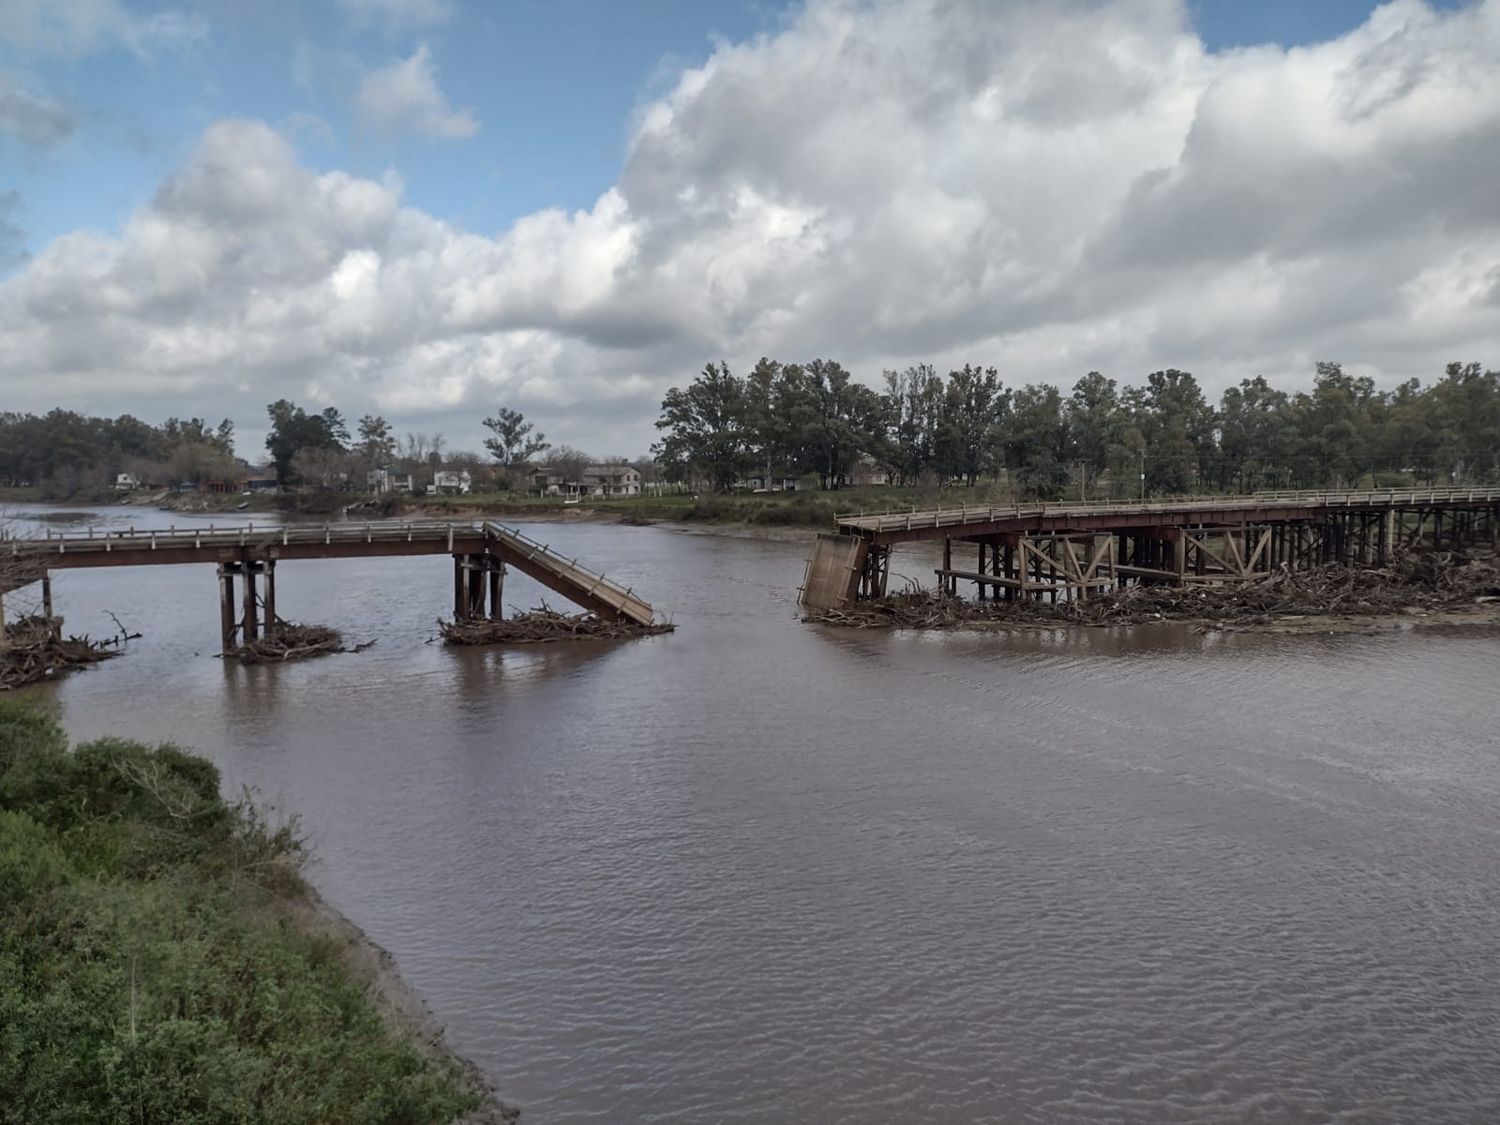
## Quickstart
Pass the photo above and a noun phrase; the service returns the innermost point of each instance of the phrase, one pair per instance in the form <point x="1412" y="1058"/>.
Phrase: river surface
<point x="762" y="871"/>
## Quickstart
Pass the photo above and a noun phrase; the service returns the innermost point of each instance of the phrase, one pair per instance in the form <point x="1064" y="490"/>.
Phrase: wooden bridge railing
<point x="92" y="540"/>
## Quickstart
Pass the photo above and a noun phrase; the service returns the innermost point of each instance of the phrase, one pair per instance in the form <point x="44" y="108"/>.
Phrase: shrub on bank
<point x="148" y="968"/>
<point x="712" y="509"/>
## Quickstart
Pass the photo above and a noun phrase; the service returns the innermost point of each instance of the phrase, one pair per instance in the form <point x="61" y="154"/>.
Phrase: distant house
<point x="126" y="482"/>
<point x="259" y="482"/>
<point x="612" y="480"/>
<point x="595" y="480"/>
<point x="385" y="480"/>
<point x="549" y="481"/>
<point x="768" y="482"/>
<point x="446" y="482"/>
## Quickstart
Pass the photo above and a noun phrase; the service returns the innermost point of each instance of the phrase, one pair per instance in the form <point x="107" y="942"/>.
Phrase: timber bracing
<point x="1074" y="550"/>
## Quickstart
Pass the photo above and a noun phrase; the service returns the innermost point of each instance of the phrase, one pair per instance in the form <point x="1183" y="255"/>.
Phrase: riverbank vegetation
<point x="965" y="436"/>
<point x="151" y="968"/>
<point x="1418" y="582"/>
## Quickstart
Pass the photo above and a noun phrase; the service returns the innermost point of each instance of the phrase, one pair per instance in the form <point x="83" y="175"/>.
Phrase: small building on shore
<point x="384" y="481"/>
<point x="448" y="482"/>
<point x="603" y="481"/>
<point x="768" y="482"/>
<point x="612" y="480"/>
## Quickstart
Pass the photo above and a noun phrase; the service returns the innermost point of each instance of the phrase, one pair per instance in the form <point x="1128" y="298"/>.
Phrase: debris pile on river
<point x="1416" y="581"/>
<point x="35" y="649"/>
<point x="541" y="626"/>
<point x="290" y="641"/>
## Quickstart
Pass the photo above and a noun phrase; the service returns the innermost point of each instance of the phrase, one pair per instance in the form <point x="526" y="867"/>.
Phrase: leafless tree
<point x="569" y="463"/>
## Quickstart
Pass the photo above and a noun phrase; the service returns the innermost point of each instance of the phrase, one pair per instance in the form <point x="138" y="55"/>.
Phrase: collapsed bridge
<point x="1074" y="550"/>
<point x="247" y="556"/>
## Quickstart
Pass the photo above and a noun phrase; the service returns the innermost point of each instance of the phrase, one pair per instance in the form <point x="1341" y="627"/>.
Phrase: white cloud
<point x="74" y="28"/>
<point x="397" y="14"/>
<point x="1047" y="187"/>
<point x="34" y="118"/>
<point x="404" y="97"/>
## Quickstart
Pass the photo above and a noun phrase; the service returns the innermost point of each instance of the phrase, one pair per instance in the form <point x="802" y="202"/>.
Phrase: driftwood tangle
<point x="1421" y="580"/>
<point x="542" y="626"/>
<point x="291" y="641"/>
<point x="35" y="650"/>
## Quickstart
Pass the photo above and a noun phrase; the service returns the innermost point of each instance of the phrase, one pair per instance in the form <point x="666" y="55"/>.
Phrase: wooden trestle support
<point x="875" y="572"/>
<point x="247" y="624"/>
<point x="1077" y="564"/>
<point x="478" y="579"/>
<point x="478" y="587"/>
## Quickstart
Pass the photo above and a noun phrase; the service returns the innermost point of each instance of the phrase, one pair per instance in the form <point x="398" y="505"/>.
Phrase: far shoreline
<point x="421" y="508"/>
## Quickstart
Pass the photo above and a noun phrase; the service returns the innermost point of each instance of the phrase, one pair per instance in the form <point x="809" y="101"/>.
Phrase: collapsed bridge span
<point x="1061" y="550"/>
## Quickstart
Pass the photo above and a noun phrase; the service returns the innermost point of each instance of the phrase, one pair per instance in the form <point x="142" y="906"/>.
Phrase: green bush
<point x="147" y="969"/>
<point x="711" y="509"/>
<point x="803" y="511"/>
<point x="30" y="863"/>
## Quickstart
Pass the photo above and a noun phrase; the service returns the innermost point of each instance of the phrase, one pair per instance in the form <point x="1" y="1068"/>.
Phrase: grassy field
<point x="150" y="966"/>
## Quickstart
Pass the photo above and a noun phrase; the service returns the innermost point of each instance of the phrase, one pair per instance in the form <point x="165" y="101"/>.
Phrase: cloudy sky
<point x="428" y="208"/>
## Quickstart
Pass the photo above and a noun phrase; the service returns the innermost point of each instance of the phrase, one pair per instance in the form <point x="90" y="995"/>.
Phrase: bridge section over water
<point x="1074" y="550"/>
<point x="248" y="556"/>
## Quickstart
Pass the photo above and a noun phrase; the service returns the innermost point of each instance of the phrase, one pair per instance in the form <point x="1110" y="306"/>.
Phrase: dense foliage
<point x="74" y="453"/>
<point x="146" y="973"/>
<point x="788" y="420"/>
<point x="294" y="432"/>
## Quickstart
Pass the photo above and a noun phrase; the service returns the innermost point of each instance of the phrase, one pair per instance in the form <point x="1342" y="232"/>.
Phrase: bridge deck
<point x="977" y="520"/>
<point x="581" y="585"/>
<point x="29" y="559"/>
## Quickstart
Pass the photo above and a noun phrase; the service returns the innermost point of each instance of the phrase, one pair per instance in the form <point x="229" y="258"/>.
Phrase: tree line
<point x="792" y="420"/>
<point x="317" y="449"/>
<point x="1099" y="439"/>
<point x="71" y="453"/>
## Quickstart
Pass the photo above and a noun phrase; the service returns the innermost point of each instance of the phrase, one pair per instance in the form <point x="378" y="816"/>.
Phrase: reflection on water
<point x="756" y="870"/>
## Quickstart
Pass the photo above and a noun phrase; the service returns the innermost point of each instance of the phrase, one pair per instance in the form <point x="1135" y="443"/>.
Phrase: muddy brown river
<point x="762" y="871"/>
